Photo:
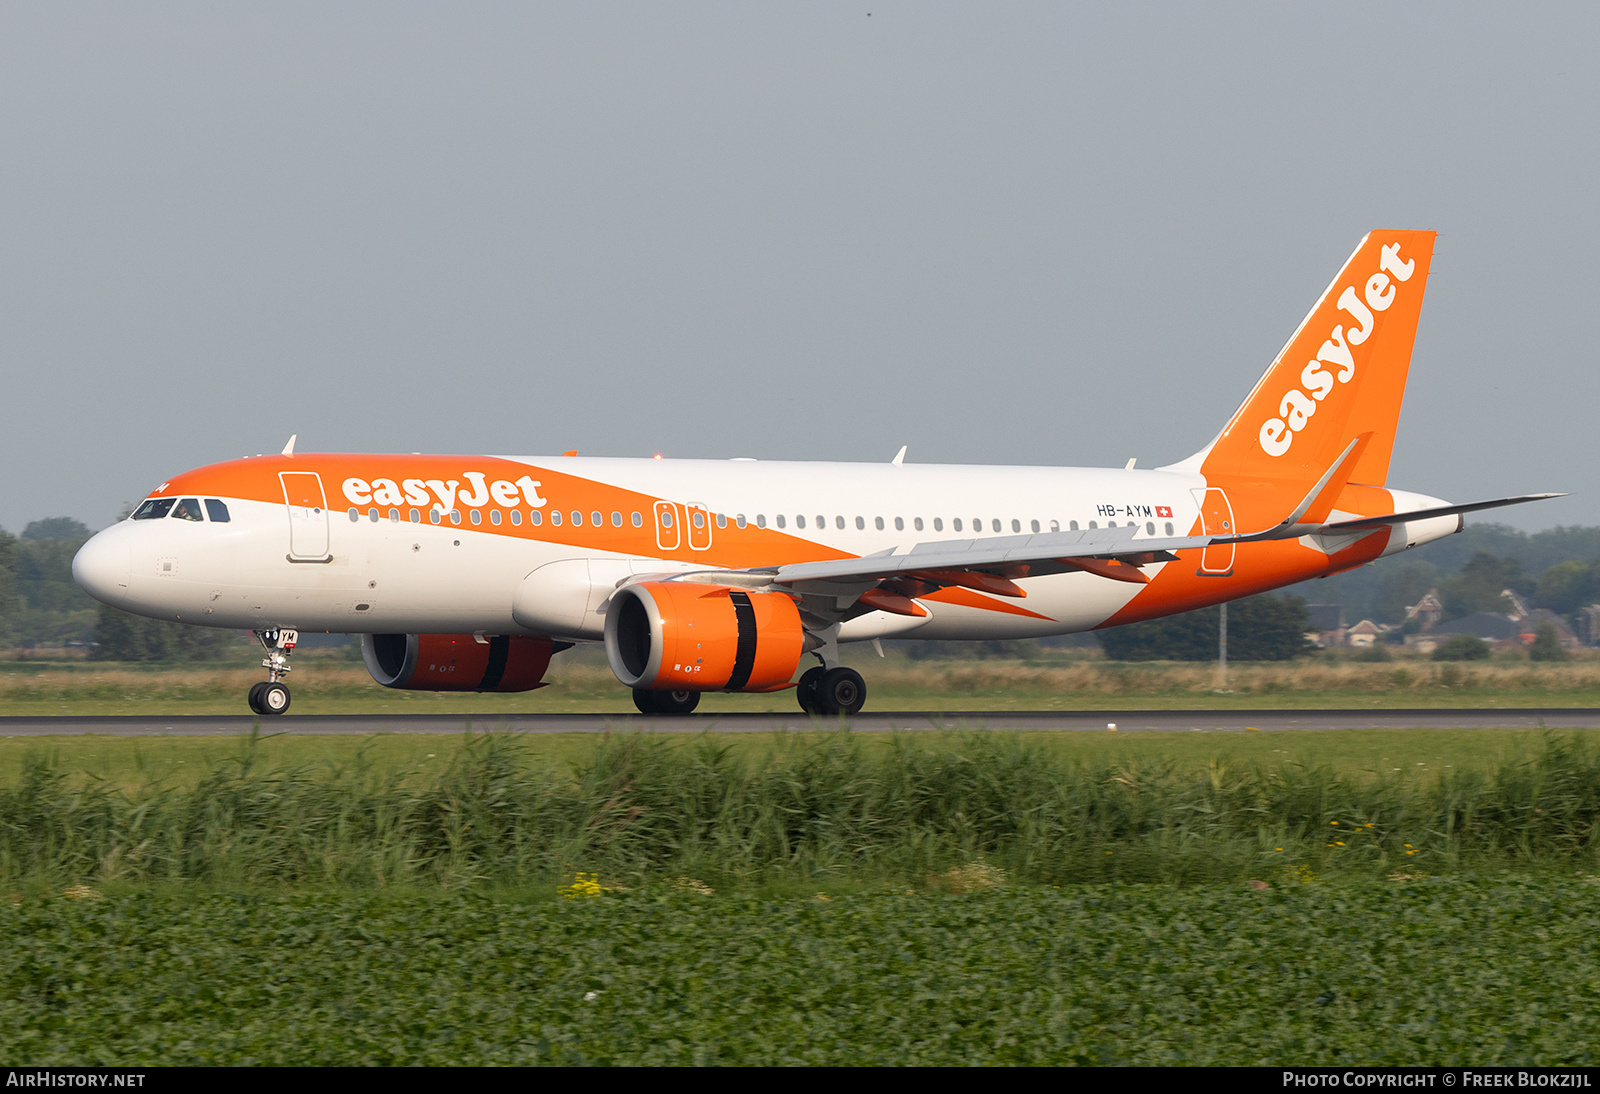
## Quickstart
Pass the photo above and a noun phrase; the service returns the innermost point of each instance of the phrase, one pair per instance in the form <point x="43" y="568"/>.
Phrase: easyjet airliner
<point x="468" y="573"/>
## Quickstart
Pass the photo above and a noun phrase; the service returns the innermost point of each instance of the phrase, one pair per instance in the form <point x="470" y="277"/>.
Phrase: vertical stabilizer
<point x="1342" y="375"/>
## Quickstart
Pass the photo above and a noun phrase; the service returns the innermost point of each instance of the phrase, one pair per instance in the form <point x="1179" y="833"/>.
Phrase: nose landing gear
<point x="271" y="696"/>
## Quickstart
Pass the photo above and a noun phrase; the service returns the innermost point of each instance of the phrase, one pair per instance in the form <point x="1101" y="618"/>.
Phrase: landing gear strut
<point x="271" y="696"/>
<point x="665" y="702"/>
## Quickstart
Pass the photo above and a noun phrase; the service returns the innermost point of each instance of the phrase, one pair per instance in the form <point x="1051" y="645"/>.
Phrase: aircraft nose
<point x="101" y="566"/>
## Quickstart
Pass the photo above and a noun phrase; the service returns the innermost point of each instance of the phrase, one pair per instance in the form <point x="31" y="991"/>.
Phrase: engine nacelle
<point x="457" y="662"/>
<point x="679" y="636"/>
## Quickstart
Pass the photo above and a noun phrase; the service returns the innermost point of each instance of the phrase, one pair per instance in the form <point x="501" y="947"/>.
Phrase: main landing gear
<point x="271" y="696"/>
<point x="665" y="702"/>
<point x="832" y="691"/>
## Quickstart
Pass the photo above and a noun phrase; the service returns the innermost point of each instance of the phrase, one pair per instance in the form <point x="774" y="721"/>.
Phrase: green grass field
<point x="1434" y="972"/>
<point x="581" y="683"/>
<point x="1332" y="898"/>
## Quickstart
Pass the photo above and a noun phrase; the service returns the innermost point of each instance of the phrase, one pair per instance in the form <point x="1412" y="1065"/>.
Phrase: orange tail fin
<point x="1341" y="375"/>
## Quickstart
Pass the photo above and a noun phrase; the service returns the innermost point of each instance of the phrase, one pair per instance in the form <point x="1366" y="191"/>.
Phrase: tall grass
<point x="895" y="680"/>
<point x="638" y="805"/>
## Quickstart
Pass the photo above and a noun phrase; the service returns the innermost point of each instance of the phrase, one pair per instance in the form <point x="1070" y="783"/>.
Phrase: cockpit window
<point x="154" y="509"/>
<point x="188" y="509"/>
<point x="217" y="510"/>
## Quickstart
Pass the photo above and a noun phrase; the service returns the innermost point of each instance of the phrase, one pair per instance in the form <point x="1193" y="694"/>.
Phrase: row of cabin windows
<point x="475" y="516"/>
<point x="698" y="516"/>
<point x="956" y="524"/>
<point x="182" y="509"/>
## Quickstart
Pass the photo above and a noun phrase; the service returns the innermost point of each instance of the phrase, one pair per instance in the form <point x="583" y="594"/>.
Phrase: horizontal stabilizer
<point x="1426" y="514"/>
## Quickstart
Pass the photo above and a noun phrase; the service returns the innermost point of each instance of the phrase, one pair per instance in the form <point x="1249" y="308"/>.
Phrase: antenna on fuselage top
<point x="288" y="449"/>
<point x="899" y="457"/>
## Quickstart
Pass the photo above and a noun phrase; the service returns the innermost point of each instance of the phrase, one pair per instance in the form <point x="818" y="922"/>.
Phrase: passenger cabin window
<point x="838" y="522"/>
<point x="861" y="524"/>
<point x="477" y="517"/>
<point x="355" y="514"/>
<point x="800" y="521"/>
<point x="955" y="524"/>
<point x="722" y="520"/>
<point x="154" y="509"/>
<point x="1016" y="526"/>
<point x="761" y="520"/>
<point x="899" y="524"/>
<point x="1073" y="526"/>
<point x="188" y="509"/>
<point x="938" y="524"/>
<point x="917" y="524"/>
<point x="877" y="522"/>
<point x="638" y="520"/>
<point x="780" y="520"/>
<point x="516" y="516"/>
<point x="1036" y="526"/>
<point x="494" y="516"/>
<point x="595" y="519"/>
<point x="217" y="510"/>
<point x="1169" y="527"/>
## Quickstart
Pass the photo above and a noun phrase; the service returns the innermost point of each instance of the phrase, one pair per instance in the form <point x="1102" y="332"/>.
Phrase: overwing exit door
<point x="308" y="515"/>
<point x="1216" y="518"/>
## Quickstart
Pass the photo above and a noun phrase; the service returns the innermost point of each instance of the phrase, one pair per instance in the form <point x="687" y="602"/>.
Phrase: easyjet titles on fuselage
<point x="449" y="492"/>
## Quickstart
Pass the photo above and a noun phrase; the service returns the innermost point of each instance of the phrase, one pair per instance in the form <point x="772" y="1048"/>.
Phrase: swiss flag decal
<point x="1163" y="510"/>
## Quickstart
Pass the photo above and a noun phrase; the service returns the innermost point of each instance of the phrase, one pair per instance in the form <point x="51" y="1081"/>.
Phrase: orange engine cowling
<point x="678" y="636"/>
<point x="457" y="662"/>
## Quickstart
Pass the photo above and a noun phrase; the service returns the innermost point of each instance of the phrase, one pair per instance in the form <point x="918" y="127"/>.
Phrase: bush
<point x="1463" y="647"/>
<point x="1547" y="644"/>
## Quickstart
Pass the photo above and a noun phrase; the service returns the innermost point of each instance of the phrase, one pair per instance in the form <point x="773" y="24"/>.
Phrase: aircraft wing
<point x="991" y="564"/>
<point x="1009" y="556"/>
<point x="1090" y="549"/>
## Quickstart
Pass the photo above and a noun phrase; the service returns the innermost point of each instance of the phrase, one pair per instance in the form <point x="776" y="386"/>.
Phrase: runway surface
<point x="1125" y="721"/>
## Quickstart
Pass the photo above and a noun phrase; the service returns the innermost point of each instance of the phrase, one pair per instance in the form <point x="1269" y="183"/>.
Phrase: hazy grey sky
<point x="999" y="233"/>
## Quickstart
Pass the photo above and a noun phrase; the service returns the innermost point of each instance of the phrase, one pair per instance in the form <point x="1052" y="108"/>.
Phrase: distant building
<point x="1485" y="625"/>
<point x="1363" y="635"/>
<point x="1427" y="611"/>
<point x="1588" y="624"/>
<point x="1538" y="618"/>
<point x="1325" y="625"/>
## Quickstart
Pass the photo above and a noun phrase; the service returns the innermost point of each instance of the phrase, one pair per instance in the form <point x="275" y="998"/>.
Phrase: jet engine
<point x="679" y="636"/>
<point x="457" y="662"/>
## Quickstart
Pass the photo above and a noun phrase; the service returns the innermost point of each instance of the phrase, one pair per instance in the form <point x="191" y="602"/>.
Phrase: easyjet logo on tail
<point x="1298" y="406"/>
